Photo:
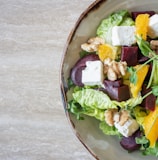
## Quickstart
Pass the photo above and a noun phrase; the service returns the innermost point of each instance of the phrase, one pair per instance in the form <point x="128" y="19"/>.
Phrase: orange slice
<point x="150" y="126"/>
<point x="141" y="74"/>
<point x="107" y="51"/>
<point x="141" y="23"/>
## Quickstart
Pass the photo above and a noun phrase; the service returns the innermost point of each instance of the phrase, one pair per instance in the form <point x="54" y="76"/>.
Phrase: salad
<point x="116" y="79"/>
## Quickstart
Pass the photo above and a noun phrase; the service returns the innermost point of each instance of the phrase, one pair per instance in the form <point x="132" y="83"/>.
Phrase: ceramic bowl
<point x="102" y="147"/>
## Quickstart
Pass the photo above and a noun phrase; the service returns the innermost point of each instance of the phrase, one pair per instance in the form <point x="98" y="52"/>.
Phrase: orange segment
<point x="141" y="74"/>
<point x="107" y="51"/>
<point x="141" y="23"/>
<point x="150" y="126"/>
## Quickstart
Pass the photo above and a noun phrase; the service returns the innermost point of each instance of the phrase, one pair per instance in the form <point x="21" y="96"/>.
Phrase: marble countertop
<point x="33" y="125"/>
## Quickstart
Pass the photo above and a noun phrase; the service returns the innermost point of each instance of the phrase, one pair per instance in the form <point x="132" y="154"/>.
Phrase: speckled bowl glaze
<point x="102" y="147"/>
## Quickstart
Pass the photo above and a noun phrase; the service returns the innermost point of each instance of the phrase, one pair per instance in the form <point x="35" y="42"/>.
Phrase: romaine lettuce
<point x="130" y="103"/>
<point x="75" y="108"/>
<point x="93" y="98"/>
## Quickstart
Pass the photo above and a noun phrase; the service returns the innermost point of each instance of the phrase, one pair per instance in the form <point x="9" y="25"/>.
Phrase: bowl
<point x="102" y="147"/>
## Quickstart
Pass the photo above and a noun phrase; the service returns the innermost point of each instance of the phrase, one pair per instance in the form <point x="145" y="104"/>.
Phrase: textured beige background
<point x="33" y="125"/>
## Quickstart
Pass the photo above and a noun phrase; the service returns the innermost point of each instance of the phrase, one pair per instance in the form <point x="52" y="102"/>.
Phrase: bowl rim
<point x="63" y="89"/>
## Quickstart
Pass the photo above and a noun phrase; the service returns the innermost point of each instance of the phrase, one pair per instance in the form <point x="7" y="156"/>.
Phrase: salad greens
<point x="115" y="19"/>
<point x="78" y="110"/>
<point x="146" y="150"/>
<point x="144" y="46"/>
<point x="94" y="100"/>
<point x="93" y="103"/>
<point x="108" y="130"/>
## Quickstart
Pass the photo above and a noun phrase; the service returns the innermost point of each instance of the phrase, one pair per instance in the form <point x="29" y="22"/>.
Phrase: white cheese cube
<point x="128" y="128"/>
<point x="93" y="73"/>
<point x="123" y="35"/>
<point x="153" y="26"/>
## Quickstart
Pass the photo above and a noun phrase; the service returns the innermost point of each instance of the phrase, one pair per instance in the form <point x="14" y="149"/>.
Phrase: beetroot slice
<point x="116" y="90"/>
<point x="150" y="101"/>
<point x="129" y="143"/>
<point x="136" y="13"/>
<point x="76" y="75"/>
<point x="76" y="71"/>
<point x="90" y="57"/>
<point x="119" y="94"/>
<point x="116" y="83"/>
<point x="130" y="55"/>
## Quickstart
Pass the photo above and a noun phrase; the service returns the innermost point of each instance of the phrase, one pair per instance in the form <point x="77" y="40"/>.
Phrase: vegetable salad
<point x="116" y="79"/>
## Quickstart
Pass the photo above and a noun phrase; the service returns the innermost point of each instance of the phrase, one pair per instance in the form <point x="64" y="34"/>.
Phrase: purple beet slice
<point x="76" y="71"/>
<point x="130" y="55"/>
<point x="76" y="75"/>
<point x="119" y="94"/>
<point x="90" y="57"/>
<point x="129" y="143"/>
<point x="136" y="13"/>
<point x="150" y="101"/>
<point x="116" y="83"/>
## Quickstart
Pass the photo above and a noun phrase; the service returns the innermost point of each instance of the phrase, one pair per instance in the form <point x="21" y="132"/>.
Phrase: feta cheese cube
<point x="153" y="26"/>
<point x="93" y="73"/>
<point x="123" y="35"/>
<point x="128" y="128"/>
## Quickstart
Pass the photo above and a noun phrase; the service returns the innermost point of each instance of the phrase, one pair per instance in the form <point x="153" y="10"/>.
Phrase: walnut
<point x="92" y="44"/>
<point x="154" y="45"/>
<point x="113" y="69"/>
<point x="109" y="114"/>
<point x="124" y="116"/>
<point x="111" y="74"/>
<point x="112" y="116"/>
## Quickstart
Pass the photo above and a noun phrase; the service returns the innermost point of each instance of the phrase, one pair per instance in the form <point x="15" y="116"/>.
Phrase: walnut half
<point x="92" y="44"/>
<point x="113" y="69"/>
<point x="112" y="116"/>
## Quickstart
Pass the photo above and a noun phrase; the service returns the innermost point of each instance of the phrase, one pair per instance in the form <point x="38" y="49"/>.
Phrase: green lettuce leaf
<point x="108" y="130"/>
<point x="151" y="151"/>
<point x="140" y="113"/>
<point x="145" y="146"/>
<point x="128" y="21"/>
<point x="93" y="98"/>
<point x="130" y="103"/>
<point x="155" y="75"/>
<point x="75" y="108"/>
<point x="116" y="19"/>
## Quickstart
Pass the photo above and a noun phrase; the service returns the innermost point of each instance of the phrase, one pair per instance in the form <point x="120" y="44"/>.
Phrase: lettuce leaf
<point x="130" y="103"/>
<point x="116" y="19"/>
<point x="93" y="98"/>
<point x="108" y="130"/>
<point x="146" y="150"/>
<point x="75" y="108"/>
<point x="140" y="113"/>
<point x="151" y="151"/>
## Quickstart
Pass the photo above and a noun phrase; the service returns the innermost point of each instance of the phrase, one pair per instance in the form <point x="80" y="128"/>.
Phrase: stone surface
<point x="33" y="125"/>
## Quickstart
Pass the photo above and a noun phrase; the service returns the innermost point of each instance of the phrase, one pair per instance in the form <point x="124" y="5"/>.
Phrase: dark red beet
<point x="150" y="101"/>
<point x="116" y="83"/>
<point x="149" y="72"/>
<point x="136" y="13"/>
<point x="76" y="71"/>
<point x="130" y="55"/>
<point x="121" y="93"/>
<point x="76" y="75"/>
<point x="141" y="57"/>
<point x="89" y="57"/>
<point x="129" y="143"/>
